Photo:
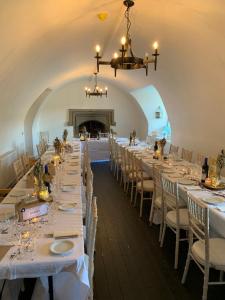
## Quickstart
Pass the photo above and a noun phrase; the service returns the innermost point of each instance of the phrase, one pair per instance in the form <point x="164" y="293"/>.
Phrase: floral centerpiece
<point x="57" y="145"/>
<point x="220" y="163"/>
<point x="38" y="172"/>
<point x="161" y="144"/>
<point x="133" y="138"/>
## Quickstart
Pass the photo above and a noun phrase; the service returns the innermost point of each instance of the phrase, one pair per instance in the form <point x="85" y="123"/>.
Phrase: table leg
<point x="50" y="288"/>
<point x="3" y="285"/>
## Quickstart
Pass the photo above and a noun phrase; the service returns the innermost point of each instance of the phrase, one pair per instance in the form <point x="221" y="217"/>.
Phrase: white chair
<point x="199" y="159"/>
<point x="206" y="252"/>
<point x="18" y="169"/>
<point x="173" y="149"/>
<point x="125" y="167"/>
<point x="26" y="162"/>
<point x="89" y="199"/>
<point x="186" y="155"/>
<point x="157" y="199"/>
<point x="143" y="185"/>
<point x="91" y="244"/>
<point x="175" y="216"/>
<point x="117" y="160"/>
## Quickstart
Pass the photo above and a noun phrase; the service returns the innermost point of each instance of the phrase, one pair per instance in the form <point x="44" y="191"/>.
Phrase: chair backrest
<point x="170" y="194"/>
<point x="91" y="239"/>
<point x="186" y="155"/>
<point x="157" y="180"/>
<point x="174" y="149"/>
<point x="199" y="159"/>
<point x="18" y="169"/>
<point x="122" y="151"/>
<point x="25" y="161"/>
<point x="198" y="213"/>
<point x="89" y="198"/>
<point x="139" y="169"/>
<point x="39" y="150"/>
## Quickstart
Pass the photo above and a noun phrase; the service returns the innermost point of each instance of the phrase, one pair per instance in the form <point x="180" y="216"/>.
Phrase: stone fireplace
<point x="93" y="119"/>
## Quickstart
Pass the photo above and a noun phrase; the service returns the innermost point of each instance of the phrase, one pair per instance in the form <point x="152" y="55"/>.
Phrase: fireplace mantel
<point x="78" y="116"/>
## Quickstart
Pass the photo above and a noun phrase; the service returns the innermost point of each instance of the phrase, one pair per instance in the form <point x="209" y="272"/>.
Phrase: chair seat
<point x="216" y="252"/>
<point x="171" y="218"/>
<point x="145" y="175"/>
<point x="148" y="185"/>
<point x="127" y="168"/>
<point x="158" y="201"/>
<point x="118" y="160"/>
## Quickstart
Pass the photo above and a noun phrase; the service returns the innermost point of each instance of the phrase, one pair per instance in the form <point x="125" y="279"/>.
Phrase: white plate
<point x="214" y="200"/>
<point x="62" y="247"/>
<point x="18" y="193"/>
<point x="186" y="181"/>
<point x="67" y="206"/>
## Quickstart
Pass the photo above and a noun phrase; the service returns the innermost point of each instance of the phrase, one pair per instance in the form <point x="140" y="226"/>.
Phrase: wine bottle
<point x="205" y="170"/>
<point x="155" y="150"/>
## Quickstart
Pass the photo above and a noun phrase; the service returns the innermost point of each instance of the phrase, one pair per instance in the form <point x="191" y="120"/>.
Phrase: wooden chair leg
<point x="177" y="248"/>
<point x="205" y="284"/>
<point x="163" y="234"/>
<point x="186" y="268"/>
<point x="135" y="200"/>
<point x="152" y="211"/>
<point x="161" y="226"/>
<point x="117" y="173"/>
<point x="141" y="203"/>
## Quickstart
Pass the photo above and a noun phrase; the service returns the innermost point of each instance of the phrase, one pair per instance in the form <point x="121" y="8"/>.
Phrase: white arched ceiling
<point x="46" y="43"/>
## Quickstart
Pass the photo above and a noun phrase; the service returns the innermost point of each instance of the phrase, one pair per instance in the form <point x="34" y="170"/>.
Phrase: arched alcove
<point x="154" y="109"/>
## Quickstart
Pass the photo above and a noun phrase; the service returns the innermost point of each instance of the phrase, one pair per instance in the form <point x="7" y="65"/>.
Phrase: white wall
<point x="149" y="99"/>
<point x="53" y="113"/>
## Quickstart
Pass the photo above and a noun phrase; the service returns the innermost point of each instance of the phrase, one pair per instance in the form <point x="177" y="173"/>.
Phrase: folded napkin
<point x="192" y="188"/>
<point x="68" y="188"/>
<point x="57" y="234"/>
<point x="7" y="211"/>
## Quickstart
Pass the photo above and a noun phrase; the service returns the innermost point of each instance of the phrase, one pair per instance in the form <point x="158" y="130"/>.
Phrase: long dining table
<point x="187" y="175"/>
<point x="65" y="275"/>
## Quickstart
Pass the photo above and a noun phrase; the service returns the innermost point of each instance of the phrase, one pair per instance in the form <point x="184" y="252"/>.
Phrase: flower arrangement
<point x="38" y="172"/>
<point x="161" y="144"/>
<point x="57" y="145"/>
<point x="220" y="163"/>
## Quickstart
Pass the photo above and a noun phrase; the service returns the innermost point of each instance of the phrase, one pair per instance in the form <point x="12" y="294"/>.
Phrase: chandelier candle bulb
<point x="115" y="55"/>
<point x="123" y="41"/>
<point x="97" y="49"/>
<point x="155" y="45"/>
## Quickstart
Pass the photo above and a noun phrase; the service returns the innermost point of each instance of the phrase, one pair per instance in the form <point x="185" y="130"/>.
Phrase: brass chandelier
<point x="97" y="91"/>
<point x="127" y="60"/>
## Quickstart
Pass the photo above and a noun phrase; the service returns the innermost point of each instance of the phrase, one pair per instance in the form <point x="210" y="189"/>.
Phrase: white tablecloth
<point x="70" y="271"/>
<point x="98" y="149"/>
<point x="217" y="217"/>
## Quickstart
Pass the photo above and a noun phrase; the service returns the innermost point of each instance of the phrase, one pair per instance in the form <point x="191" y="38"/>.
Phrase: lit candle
<point x="115" y="55"/>
<point x="208" y="181"/>
<point x="25" y="235"/>
<point x="123" y="40"/>
<point x="97" y="49"/>
<point x="43" y="194"/>
<point x="156" y="46"/>
<point x="35" y="220"/>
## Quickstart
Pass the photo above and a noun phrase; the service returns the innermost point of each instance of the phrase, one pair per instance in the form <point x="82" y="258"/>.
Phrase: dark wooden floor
<point x="129" y="264"/>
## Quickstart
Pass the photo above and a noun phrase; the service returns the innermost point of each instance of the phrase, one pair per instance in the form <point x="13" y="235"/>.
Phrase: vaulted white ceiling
<point x="45" y="44"/>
